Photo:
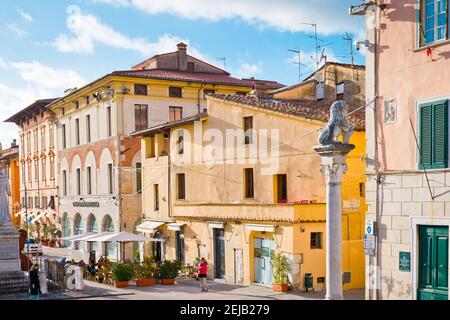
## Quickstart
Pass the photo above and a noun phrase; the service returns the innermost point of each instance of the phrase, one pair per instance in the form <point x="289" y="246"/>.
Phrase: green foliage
<point x="122" y="271"/>
<point x="196" y="261"/>
<point x="146" y="270"/>
<point x="280" y="269"/>
<point x="169" y="269"/>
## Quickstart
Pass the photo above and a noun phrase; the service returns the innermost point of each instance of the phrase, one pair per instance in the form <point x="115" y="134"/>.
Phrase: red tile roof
<point x="308" y="109"/>
<point x="213" y="78"/>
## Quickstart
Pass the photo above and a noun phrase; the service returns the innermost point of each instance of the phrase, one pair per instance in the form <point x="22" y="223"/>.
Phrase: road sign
<point x="404" y="261"/>
<point x="370" y="244"/>
<point x="369" y="227"/>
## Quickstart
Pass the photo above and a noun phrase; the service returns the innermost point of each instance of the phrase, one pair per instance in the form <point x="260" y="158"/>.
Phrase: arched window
<point x="92" y="227"/>
<point x="78" y="228"/>
<point x="110" y="247"/>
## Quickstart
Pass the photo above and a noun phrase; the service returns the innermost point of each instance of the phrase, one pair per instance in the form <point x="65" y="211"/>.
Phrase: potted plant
<point x="280" y="270"/>
<point x="122" y="274"/>
<point x="52" y="243"/>
<point x="168" y="271"/>
<point x="44" y="241"/>
<point x="145" y="273"/>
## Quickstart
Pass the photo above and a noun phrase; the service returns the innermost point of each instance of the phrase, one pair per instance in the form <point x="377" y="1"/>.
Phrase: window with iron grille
<point x="140" y="89"/>
<point x="175" y="92"/>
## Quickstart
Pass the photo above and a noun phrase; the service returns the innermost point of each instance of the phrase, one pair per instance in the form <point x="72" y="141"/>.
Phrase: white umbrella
<point x="95" y="236"/>
<point x="78" y="236"/>
<point x="125" y="237"/>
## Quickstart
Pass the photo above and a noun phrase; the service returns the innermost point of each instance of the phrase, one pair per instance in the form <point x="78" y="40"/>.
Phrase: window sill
<point x="432" y="45"/>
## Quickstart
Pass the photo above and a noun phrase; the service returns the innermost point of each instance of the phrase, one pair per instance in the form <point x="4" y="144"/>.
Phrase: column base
<point x="334" y="297"/>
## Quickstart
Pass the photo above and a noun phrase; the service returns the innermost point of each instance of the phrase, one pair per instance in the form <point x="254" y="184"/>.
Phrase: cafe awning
<point x="260" y="227"/>
<point x="77" y="237"/>
<point x="176" y="226"/>
<point x="149" y="226"/>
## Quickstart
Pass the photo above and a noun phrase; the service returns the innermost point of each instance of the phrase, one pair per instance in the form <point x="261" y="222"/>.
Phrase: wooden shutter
<point x="434" y="135"/>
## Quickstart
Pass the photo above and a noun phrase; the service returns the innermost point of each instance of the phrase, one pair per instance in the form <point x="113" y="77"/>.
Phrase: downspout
<point x="198" y="98"/>
<point x="169" y="173"/>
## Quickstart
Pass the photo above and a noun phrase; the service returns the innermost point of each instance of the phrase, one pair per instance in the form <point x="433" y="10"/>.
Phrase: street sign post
<point x="404" y="261"/>
<point x="370" y="239"/>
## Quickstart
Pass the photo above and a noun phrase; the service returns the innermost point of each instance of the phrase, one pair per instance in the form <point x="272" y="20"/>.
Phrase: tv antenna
<point x="299" y="63"/>
<point x="224" y="61"/>
<point x="317" y="42"/>
<point x="349" y="40"/>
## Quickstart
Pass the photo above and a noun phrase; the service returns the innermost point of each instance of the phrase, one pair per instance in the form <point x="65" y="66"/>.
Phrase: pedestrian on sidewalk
<point x="202" y="270"/>
<point x="35" y="286"/>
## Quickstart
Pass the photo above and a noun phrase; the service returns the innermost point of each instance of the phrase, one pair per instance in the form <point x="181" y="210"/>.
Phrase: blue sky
<point x="47" y="46"/>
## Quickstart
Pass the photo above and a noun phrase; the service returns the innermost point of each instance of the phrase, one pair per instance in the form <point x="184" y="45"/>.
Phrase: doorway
<point x="433" y="263"/>
<point x="219" y="253"/>
<point x="263" y="249"/>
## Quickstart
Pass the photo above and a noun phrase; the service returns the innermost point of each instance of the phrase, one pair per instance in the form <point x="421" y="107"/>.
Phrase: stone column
<point x="334" y="166"/>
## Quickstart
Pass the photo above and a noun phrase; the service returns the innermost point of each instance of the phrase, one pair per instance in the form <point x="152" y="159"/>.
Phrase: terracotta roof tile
<point x="309" y="109"/>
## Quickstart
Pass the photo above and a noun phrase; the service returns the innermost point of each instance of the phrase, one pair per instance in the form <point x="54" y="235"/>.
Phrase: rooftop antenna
<point x="224" y="61"/>
<point x="349" y="40"/>
<point x="317" y="42"/>
<point x="299" y="63"/>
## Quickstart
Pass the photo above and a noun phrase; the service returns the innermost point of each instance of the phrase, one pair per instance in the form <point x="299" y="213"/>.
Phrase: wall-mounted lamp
<point x="365" y="43"/>
<point x="361" y="9"/>
<point x="302" y="228"/>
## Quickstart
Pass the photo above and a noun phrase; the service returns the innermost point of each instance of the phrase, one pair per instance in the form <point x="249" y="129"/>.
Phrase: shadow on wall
<point x="402" y="11"/>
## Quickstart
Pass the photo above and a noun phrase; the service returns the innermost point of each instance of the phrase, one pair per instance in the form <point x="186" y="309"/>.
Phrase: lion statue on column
<point x="337" y="125"/>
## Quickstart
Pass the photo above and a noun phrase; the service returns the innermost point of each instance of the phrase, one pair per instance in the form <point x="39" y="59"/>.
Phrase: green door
<point x="433" y="263"/>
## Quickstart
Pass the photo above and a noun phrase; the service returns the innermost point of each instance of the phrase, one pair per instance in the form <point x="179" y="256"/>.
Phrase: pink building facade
<point x="408" y="187"/>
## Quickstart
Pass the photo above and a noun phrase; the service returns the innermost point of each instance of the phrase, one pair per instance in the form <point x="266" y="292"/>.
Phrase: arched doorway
<point x="110" y="247"/>
<point x="78" y="228"/>
<point x="66" y="229"/>
<point x="92" y="227"/>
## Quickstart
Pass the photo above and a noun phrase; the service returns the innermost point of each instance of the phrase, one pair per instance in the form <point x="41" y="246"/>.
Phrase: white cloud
<point x="290" y="15"/>
<point x="25" y="15"/>
<point x="39" y="82"/>
<point x="17" y="30"/>
<point x="247" y="70"/>
<point x="87" y="31"/>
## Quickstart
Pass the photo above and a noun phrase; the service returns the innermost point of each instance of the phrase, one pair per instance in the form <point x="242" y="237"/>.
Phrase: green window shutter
<point x="434" y="135"/>
<point x="426" y="136"/>
<point x="440" y="128"/>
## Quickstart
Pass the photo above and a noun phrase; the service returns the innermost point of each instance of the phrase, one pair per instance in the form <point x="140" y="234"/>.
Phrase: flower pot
<point x="167" y="282"/>
<point x="121" y="284"/>
<point x="145" y="282"/>
<point x="45" y="243"/>
<point x="280" y="287"/>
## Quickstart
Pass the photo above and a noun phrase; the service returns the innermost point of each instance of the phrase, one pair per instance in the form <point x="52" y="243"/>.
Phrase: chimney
<point x="259" y="89"/>
<point x="69" y="91"/>
<point x="14" y="143"/>
<point x="182" y="56"/>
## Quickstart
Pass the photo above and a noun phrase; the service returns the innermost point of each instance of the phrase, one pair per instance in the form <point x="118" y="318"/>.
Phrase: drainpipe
<point x="169" y="173"/>
<point x="198" y="98"/>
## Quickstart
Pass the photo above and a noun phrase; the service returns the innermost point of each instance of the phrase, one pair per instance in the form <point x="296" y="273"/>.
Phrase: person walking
<point x="35" y="286"/>
<point x="202" y="270"/>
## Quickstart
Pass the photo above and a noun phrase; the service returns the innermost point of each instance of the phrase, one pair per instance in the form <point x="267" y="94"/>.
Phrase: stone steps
<point x="14" y="282"/>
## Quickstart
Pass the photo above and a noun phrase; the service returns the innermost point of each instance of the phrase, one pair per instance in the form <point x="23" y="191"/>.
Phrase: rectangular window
<point x="179" y="243"/>
<point x="77" y="131"/>
<point x="175" y="92"/>
<point x="140" y="89"/>
<point x="78" y="182"/>
<point x="433" y="24"/>
<point x="207" y="92"/>
<point x="320" y="91"/>
<point x="30" y="175"/>
<point x="29" y="142"/>
<point x="44" y="169"/>
<point x="249" y="184"/>
<point x="316" y="240"/>
<point x="44" y="202"/>
<point x="36" y="141"/>
<point x="36" y="203"/>
<point x="108" y="122"/>
<point x="138" y="177"/>
<point x="43" y="144"/>
<point x="433" y="135"/>
<point x="36" y="170"/>
<point x="191" y="66"/>
<point x="52" y="168"/>
<point x="282" y="188"/>
<point x="340" y="90"/>
<point x="140" y="117"/>
<point x="175" y="113"/>
<point x="156" y="196"/>
<point x="248" y="130"/>
<point x="87" y="100"/>
<point x="51" y="133"/>
<point x="88" y="128"/>
<point x="77" y="104"/>
<point x="30" y="202"/>
<point x="63" y="136"/>
<point x="23" y="174"/>
<point x="89" y="180"/>
<point x="110" y="179"/>
<point x="362" y="189"/>
<point x="64" y="176"/>
<point x="181" y="186"/>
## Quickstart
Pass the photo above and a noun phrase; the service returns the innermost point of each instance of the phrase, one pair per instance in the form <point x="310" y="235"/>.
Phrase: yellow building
<point x="213" y="190"/>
